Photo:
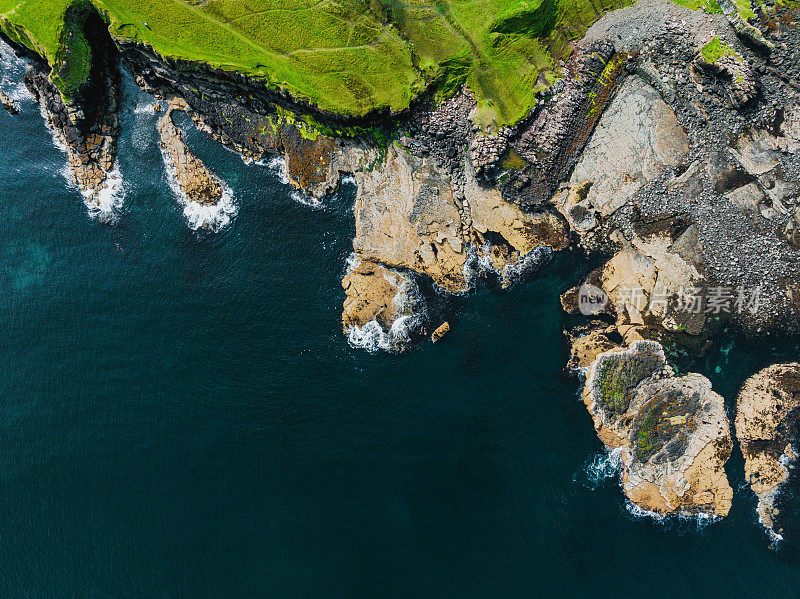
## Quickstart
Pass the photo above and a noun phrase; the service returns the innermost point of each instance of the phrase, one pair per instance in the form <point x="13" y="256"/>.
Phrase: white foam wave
<point x="407" y="302"/>
<point x="12" y="69"/>
<point x="373" y="338"/>
<point x="516" y="271"/>
<point x="278" y="164"/>
<point x="701" y="520"/>
<point x="602" y="467"/>
<point x="213" y="217"/>
<point x="352" y="262"/>
<point x="106" y="203"/>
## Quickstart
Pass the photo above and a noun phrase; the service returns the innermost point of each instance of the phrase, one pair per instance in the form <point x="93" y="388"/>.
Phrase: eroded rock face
<point x="671" y="434"/>
<point x="381" y="308"/>
<point x="191" y="175"/>
<point x="767" y="415"/>
<point x="406" y="217"/>
<point x="636" y="141"/>
<point x="90" y="140"/>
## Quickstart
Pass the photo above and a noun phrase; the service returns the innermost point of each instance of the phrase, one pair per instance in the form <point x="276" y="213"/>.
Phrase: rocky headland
<point x="195" y="181"/>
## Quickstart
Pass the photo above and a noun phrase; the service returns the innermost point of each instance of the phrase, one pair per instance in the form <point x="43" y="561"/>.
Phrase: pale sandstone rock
<point x="372" y="294"/>
<point x="406" y="217"/>
<point x="636" y="140"/>
<point x="767" y="412"/>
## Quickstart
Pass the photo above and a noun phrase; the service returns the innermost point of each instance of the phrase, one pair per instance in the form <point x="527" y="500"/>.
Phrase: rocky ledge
<point x="192" y="177"/>
<point x="767" y="418"/>
<point x="670" y="434"/>
<point x="8" y="103"/>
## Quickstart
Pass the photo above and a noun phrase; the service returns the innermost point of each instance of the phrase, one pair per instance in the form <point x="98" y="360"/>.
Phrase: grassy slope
<point x="345" y="56"/>
<point x="350" y="56"/>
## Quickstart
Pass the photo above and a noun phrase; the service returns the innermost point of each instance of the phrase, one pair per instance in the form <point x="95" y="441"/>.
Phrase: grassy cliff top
<point x="345" y="56"/>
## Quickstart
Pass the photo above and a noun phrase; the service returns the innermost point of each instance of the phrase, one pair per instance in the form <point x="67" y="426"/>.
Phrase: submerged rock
<point x="767" y="415"/>
<point x="671" y="434"/>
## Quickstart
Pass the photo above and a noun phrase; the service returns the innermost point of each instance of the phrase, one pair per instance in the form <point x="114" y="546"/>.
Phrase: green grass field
<point x="347" y="56"/>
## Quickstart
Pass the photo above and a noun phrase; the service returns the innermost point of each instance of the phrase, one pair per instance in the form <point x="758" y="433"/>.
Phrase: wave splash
<point x="373" y="338"/>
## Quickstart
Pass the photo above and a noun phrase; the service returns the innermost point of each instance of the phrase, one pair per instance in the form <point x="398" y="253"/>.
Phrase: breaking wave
<point x="107" y="203"/>
<point x="372" y="337"/>
<point x="600" y="468"/>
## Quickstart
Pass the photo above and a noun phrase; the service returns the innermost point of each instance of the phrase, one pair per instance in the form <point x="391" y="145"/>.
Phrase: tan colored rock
<point x="406" y="217"/>
<point x="584" y="349"/>
<point x="767" y="411"/>
<point x="380" y="307"/>
<point x="507" y="233"/>
<point x="372" y="294"/>
<point x="671" y="434"/>
<point x="440" y="331"/>
<point x="192" y="176"/>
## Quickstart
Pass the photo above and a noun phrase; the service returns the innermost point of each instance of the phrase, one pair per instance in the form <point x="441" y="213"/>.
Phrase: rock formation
<point x="90" y="140"/>
<point x="381" y="306"/>
<point x="8" y="103"/>
<point x="671" y="434"/>
<point x="767" y="418"/>
<point x="193" y="178"/>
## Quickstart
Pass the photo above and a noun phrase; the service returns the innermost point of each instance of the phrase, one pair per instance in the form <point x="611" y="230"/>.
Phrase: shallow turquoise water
<point x="180" y="416"/>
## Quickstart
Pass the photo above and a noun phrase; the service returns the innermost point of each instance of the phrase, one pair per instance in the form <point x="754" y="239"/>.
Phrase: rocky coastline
<point x="672" y="149"/>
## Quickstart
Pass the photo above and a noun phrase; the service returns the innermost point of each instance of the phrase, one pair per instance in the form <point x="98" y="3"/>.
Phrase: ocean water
<point x="181" y="416"/>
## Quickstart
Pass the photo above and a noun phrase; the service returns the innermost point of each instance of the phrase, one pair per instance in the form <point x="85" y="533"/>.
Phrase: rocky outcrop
<point x="381" y="307"/>
<point x="552" y="142"/>
<point x="407" y="217"/>
<point x="736" y="74"/>
<point x="671" y="434"/>
<point x="8" y="103"/>
<point x="767" y="418"/>
<point x="88" y="137"/>
<point x="637" y="140"/>
<point x="192" y="177"/>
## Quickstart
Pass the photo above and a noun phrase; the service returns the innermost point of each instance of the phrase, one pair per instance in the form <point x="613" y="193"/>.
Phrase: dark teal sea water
<point x="180" y="415"/>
